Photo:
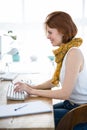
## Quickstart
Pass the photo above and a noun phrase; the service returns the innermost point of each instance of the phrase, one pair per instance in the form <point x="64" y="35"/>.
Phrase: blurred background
<point x="22" y="27"/>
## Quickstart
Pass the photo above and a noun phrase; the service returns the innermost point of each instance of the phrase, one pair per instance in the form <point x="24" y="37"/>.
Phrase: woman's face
<point x="54" y="36"/>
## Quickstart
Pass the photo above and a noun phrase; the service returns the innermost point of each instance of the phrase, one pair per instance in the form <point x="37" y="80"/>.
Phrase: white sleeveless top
<point x="79" y="93"/>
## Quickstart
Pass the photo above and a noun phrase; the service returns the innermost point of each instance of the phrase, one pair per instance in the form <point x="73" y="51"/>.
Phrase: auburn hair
<point x="63" y="23"/>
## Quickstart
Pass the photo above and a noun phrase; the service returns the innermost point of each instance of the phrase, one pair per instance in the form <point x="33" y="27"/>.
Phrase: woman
<point x="70" y="70"/>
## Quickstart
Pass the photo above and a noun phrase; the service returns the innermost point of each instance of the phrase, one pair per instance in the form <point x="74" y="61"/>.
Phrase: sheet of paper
<point x="19" y="109"/>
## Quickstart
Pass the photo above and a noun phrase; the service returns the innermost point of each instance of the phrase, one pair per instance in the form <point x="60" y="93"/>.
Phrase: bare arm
<point x="26" y="87"/>
<point x="74" y="63"/>
<point x="45" y="85"/>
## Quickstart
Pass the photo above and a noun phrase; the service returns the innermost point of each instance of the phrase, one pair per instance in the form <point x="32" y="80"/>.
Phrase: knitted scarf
<point x="59" y="56"/>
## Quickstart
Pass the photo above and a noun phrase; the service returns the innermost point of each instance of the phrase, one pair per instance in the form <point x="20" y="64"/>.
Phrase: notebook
<point x="19" y="109"/>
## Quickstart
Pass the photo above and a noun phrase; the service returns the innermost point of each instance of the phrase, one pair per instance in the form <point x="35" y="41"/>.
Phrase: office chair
<point x="73" y="117"/>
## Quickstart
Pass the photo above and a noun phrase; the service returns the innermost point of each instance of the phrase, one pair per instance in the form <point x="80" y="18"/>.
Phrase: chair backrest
<point x="73" y="117"/>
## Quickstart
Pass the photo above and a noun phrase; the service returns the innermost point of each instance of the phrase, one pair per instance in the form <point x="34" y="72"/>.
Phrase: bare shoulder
<point x="75" y="52"/>
<point x="75" y="57"/>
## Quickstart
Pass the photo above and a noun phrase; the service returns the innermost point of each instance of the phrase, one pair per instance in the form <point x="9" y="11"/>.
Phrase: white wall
<point x="26" y="18"/>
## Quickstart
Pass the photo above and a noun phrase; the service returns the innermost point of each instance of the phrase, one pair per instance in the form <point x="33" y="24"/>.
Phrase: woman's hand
<point x="20" y="86"/>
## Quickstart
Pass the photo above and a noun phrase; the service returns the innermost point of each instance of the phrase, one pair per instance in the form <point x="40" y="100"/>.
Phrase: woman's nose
<point x="48" y="36"/>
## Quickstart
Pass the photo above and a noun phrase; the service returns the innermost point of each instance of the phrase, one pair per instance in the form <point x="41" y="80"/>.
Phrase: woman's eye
<point x="49" y="32"/>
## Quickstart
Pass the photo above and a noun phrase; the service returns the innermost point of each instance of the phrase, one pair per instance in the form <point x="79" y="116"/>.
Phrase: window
<point x="10" y="11"/>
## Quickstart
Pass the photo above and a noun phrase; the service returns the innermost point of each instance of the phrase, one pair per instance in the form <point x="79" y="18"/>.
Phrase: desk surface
<point x="44" y="121"/>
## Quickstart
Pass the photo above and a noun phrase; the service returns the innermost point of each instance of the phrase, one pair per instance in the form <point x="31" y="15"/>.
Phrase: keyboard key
<point x="15" y="95"/>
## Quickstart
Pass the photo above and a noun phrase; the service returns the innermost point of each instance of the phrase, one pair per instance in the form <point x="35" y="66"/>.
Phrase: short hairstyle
<point x="63" y="23"/>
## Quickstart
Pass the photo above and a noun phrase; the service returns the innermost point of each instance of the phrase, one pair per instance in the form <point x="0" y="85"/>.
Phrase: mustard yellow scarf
<point x="59" y="56"/>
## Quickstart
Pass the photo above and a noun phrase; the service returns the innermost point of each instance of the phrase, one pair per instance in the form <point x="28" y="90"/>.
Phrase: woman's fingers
<point x="18" y="86"/>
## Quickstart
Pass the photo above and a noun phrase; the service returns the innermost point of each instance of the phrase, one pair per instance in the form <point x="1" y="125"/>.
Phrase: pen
<point x="19" y="107"/>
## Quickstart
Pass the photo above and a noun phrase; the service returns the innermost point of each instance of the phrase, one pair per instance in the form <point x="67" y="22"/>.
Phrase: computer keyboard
<point x="15" y="95"/>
